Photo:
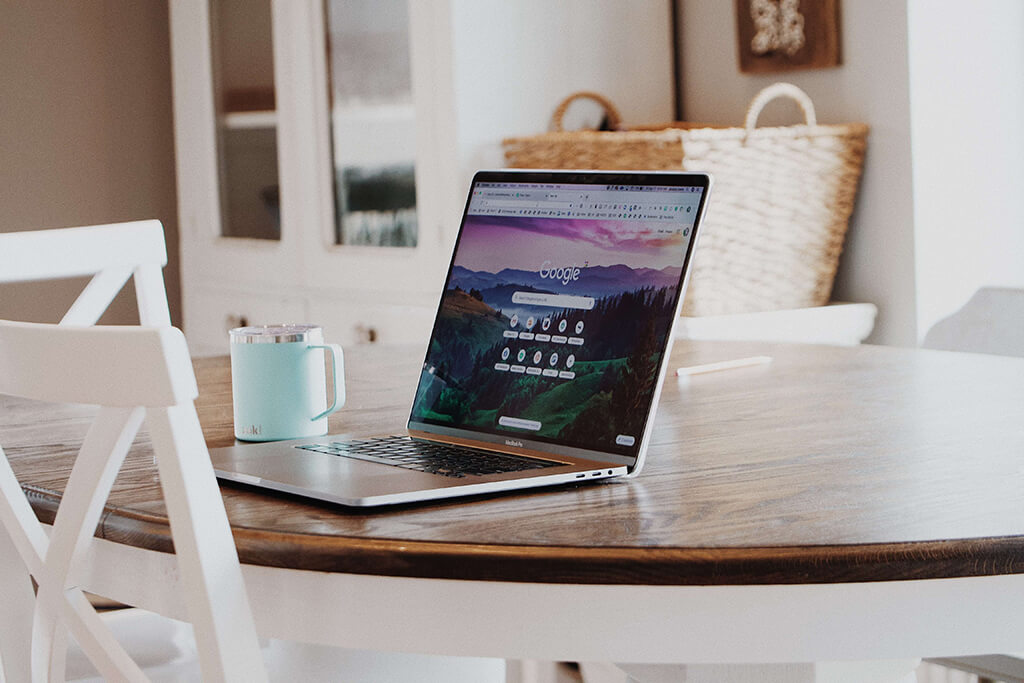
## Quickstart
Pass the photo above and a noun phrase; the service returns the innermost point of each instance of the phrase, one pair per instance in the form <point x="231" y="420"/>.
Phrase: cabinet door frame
<point x="206" y="254"/>
<point x="393" y="273"/>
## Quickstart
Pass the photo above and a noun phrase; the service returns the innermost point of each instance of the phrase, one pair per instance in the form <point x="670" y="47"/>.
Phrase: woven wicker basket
<point x="779" y="209"/>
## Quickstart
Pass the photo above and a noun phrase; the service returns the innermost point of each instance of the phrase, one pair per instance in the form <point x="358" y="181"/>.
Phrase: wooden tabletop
<point x="830" y="464"/>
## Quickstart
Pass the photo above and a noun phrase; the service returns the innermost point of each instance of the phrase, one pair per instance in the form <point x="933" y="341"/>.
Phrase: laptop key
<point x="441" y="459"/>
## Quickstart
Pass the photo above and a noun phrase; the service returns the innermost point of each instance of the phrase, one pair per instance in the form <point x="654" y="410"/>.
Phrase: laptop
<point x="547" y="354"/>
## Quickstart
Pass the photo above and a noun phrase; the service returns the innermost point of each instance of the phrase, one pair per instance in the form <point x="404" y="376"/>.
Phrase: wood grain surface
<point x="828" y="465"/>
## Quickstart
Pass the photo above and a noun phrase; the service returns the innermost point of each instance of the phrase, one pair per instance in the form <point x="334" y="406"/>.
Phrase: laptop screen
<point x="557" y="308"/>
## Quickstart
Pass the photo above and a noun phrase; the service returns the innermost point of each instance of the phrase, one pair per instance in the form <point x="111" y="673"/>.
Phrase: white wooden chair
<point x="992" y="321"/>
<point x="134" y="374"/>
<point x="110" y="253"/>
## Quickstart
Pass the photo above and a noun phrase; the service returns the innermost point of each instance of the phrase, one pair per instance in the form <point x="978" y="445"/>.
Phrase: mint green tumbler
<point x="277" y="381"/>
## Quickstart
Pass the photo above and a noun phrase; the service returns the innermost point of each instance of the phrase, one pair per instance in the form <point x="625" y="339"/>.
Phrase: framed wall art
<point x="784" y="35"/>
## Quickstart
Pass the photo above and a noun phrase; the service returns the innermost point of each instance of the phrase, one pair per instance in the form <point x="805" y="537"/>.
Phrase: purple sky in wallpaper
<point x="491" y="243"/>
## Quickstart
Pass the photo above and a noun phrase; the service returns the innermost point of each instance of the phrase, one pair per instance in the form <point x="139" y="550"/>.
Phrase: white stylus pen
<point x="723" y="365"/>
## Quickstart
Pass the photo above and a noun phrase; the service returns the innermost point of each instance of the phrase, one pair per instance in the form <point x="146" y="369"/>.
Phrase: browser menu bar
<point x="675" y="204"/>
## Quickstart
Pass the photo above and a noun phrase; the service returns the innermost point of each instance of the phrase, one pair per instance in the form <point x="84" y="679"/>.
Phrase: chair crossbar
<point x="92" y="477"/>
<point x="96" y="296"/>
<point x="16" y="516"/>
<point x="98" y="643"/>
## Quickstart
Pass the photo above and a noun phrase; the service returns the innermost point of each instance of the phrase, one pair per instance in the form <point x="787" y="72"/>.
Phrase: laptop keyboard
<point x="435" y="458"/>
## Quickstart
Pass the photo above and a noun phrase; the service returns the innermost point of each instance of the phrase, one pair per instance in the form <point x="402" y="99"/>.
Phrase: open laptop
<point x="548" y="351"/>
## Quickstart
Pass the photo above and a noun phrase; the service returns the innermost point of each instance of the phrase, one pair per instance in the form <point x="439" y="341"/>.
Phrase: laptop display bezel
<point x="523" y="445"/>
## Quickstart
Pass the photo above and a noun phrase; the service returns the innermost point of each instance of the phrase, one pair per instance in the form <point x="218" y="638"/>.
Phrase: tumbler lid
<point x="275" y="334"/>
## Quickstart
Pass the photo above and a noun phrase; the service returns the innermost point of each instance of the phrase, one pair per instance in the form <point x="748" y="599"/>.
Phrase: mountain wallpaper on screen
<point x="603" y="391"/>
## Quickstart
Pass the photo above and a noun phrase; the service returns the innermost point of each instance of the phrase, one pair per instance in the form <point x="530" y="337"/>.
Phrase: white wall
<point x="967" y="118"/>
<point x="513" y="62"/>
<point x="871" y="86"/>
<point x="941" y="207"/>
<point x="85" y="132"/>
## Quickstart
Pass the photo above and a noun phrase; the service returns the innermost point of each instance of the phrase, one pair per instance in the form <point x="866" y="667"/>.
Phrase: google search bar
<point x="584" y="303"/>
<point x="527" y="204"/>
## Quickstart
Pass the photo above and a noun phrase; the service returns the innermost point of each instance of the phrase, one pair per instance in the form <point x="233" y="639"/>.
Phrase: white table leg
<point x="606" y="672"/>
<point x="289" y="660"/>
<point x="888" y="671"/>
<point x="542" y="671"/>
<point x="528" y="671"/>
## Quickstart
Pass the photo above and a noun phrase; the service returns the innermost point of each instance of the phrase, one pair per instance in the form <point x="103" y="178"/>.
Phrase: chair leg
<point x="215" y="594"/>
<point x="18" y="599"/>
<point x="59" y="654"/>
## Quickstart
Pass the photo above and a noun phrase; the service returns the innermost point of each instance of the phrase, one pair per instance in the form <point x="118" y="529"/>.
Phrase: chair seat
<point x="164" y="648"/>
<point x="992" y="321"/>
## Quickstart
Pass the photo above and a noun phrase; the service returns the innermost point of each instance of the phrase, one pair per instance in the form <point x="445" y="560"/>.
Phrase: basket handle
<point x="773" y="92"/>
<point x="614" y="117"/>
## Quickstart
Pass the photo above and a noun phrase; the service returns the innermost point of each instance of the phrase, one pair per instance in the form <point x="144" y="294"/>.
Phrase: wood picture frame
<point x="787" y="35"/>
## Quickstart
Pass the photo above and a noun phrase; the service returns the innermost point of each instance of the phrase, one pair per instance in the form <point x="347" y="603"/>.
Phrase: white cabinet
<point x="291" y="113"/>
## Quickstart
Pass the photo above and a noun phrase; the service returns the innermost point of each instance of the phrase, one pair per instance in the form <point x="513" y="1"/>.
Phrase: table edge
<point x="676" y="566"/>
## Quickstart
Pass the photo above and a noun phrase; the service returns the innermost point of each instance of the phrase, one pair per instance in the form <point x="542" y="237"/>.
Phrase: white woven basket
<point x="778" y="213"/>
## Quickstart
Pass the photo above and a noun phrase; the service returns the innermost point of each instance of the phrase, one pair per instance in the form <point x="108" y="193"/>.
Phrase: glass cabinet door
<point x="243" y="64"/>
<point x="313" y="137"/>
<point x="373" y="122"/>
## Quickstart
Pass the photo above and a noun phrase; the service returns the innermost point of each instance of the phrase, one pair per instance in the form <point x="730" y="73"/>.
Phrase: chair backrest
<point x="992" y="321"/>
<point x="135" y="375"/>
<point x="110" y="253"/>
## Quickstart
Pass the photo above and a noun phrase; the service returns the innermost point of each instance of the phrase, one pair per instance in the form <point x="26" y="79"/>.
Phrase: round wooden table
<point x="837" y="504"/>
